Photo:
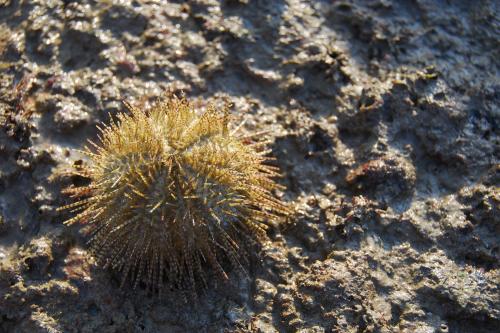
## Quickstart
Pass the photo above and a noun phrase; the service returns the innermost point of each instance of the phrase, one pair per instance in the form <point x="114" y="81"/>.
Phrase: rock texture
<point x="383" y="116"/>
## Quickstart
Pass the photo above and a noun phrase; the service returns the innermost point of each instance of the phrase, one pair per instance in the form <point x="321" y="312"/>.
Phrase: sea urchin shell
<point x="172" y="193"/>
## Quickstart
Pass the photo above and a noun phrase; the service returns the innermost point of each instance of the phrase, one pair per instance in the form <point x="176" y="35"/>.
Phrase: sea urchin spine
<point x="172" y="192"/>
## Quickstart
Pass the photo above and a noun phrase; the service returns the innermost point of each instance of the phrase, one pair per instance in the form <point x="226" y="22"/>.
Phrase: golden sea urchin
<point x="172" y="191"/>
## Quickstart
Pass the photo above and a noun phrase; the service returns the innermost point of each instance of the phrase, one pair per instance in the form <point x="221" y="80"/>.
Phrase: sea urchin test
<point x="173" y="193"/>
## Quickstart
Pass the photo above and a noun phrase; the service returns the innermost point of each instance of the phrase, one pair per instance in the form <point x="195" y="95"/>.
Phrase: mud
<point x="383" y="116"/>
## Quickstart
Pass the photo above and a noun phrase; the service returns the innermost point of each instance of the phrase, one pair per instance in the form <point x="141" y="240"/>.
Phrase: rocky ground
<point x="383" y="116"/>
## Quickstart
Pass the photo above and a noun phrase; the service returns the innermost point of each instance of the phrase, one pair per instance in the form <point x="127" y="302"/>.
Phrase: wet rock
<point x="62" y="83"/>
<point x="313" y="233"/>
<point x="482" y="206"/>
<point x="42" y="38"/>
<point x="70" y="115"/>
<point x="44" y="200"/>
<point x="122" y="19"/>
<point x="31" y="159"/>
<point x="80" y="47"/>
<point x="479" y="235"/>
<point x="265" y="294"/>
<point x="263" y="324"/>
<point x="45" y="102"/>
<point x="125" y="63"/>
<point x="37" y="257"/>
<point x="3" y="224"/>
<point x="54" y="291"/>
<point x="40" y="321"/>
<point x="449" y="290"/>
<point x="77" y="265"/>
<point x="290" y="317"/>
<point x="307" y="150"/>
<point x="330" y="291"/>
<point x="386" y="178"/>
<point x="390" y="162"/>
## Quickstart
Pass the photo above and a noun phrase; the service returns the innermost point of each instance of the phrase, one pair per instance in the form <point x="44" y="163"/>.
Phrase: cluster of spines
<point x="172" y="191"/>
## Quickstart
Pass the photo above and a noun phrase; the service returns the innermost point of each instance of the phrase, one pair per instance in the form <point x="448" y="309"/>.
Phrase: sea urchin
<point x="172" y="193"/>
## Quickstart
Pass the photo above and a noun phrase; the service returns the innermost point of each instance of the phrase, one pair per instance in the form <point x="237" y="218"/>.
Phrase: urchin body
<point x="172" y="192"/>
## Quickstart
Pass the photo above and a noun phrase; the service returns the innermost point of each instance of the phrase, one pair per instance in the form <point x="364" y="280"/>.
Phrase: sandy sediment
<point x="383" y="116"/>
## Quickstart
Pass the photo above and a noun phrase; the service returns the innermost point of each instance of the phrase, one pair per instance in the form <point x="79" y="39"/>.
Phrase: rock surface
<point x="383" y="116"/>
